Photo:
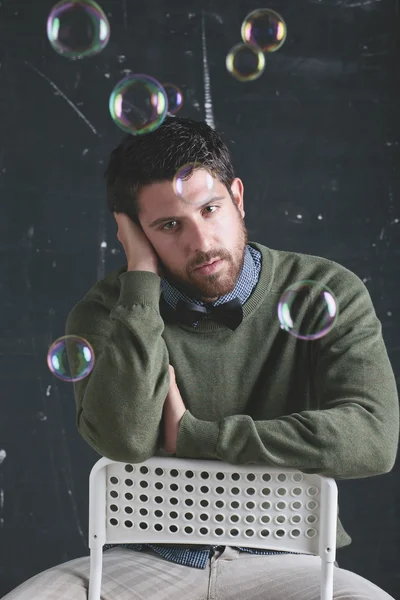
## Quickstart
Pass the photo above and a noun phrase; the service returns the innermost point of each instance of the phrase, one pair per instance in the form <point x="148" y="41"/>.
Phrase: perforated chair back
<point x="184" y="501"/>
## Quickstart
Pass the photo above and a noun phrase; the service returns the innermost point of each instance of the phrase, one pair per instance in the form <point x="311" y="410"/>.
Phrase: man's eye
<point x="165" y="228"/>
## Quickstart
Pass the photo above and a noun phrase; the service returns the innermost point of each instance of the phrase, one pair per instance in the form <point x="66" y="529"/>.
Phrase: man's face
<point x="200" y="228"/>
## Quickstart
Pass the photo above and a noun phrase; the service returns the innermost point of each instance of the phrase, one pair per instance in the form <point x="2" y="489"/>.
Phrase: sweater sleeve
<point x="119" y="404"/>
<point x="355" y="431"/>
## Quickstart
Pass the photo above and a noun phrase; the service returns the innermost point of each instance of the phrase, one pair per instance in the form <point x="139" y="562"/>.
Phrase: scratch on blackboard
<point x="346" y="3"/>
<point x="1" y="507"/>
<point x="363" y="3"/>
<point x="76" y="109"/>
<point x="74" y="506"/>
<point x="77" y="80"/>
<point x="206" y="75"/>
<point x="3" y="454"/>
<point x="103" y="246"/>
<point x="218" y="18"/>
<point x="61" y="464"/>
<point x="125" y="12"/>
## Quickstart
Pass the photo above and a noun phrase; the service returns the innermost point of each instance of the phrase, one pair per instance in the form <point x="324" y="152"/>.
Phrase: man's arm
<point x="119" y="404"/>
<point x="355" y="432"/>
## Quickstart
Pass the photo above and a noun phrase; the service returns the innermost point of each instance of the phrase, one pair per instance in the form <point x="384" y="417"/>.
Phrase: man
<point x="232" y="386"/>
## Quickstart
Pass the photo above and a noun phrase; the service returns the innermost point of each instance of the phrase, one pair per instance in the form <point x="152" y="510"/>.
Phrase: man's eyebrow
<point x="173" y="218"/>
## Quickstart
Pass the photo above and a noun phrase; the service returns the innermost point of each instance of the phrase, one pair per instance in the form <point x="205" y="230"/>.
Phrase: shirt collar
<point x="245" y="284"/>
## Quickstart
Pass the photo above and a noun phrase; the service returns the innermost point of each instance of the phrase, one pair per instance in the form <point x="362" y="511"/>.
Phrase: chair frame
<point x="102" y="503"/>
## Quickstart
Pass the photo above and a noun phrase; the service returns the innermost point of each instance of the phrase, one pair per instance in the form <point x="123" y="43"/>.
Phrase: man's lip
<point x="207" y="264"/>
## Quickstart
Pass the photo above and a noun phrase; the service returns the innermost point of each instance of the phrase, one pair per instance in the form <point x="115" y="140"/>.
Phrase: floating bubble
<point x="307" y="310"/>
<point x="175" y="97"/>
<point x="265" y="29"/>
<point x="204" y="187"/>
<point x="245" y="62"/>
<point x="138" y="104"/>
<point x="70" y="358"/>
<point x="78" y="28"/>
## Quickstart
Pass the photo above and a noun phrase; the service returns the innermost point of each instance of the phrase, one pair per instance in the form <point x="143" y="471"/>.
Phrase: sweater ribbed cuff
<point x="197" y="439"/>
<point x="139" y="287"/>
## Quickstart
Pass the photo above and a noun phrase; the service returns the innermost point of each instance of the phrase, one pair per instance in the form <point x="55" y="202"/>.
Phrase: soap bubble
<point x="205" y="179"/>
<point x="175" y="97"/>
<point x="245" y="62"/>
<point x="138" y="104"/>
<point x="307" y="310"/>
<point x="70" y="358"/>
<point x="78" y="28"/>
<point x="265" y="29"/>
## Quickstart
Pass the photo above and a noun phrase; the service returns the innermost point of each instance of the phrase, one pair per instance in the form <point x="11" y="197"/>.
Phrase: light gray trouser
<point x="229" y="575"/>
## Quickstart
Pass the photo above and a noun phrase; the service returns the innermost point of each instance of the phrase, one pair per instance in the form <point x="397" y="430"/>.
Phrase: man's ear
<point x="237" y="189"/>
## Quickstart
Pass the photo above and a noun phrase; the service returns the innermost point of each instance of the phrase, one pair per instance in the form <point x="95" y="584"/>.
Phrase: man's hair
<point x="157" y="156"/>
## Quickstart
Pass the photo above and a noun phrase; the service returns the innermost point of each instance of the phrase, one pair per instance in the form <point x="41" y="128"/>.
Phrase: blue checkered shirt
<point x="198" y="557"/>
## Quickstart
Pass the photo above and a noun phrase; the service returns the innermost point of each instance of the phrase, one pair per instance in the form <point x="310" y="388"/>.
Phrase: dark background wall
<point x="316" y="141"/>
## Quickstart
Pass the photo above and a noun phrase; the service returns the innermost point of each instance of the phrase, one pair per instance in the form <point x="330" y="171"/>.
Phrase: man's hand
<point x="140" y="254"/>
<point x="174" y="410"/>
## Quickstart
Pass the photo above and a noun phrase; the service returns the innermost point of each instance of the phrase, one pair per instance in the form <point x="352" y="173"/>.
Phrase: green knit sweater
<point x="256" y="395"/>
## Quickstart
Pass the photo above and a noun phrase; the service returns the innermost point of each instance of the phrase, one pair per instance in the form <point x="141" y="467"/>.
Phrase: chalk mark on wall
<point x="76" y="109"/>
<point x="206" y="75"/>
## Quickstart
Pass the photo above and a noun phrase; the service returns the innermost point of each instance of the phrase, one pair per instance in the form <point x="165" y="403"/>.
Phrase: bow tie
<point x="229" y="314"/>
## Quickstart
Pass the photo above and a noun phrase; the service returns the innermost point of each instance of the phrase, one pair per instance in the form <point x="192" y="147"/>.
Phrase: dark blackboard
<point x="316" y="141"/>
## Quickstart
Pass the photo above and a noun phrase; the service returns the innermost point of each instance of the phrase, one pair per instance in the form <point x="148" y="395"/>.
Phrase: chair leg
<point x="327" y="580"/>
<point x="96" y="567"/>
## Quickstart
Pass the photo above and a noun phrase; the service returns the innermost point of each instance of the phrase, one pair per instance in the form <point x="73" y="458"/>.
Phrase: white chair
<point x="184" y="501"/>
